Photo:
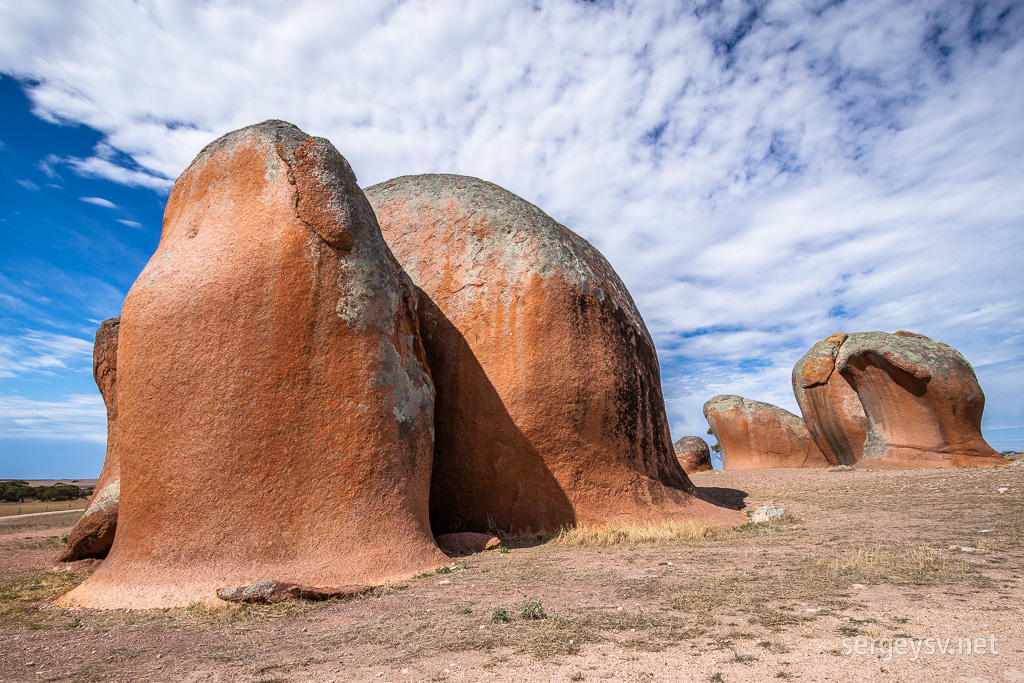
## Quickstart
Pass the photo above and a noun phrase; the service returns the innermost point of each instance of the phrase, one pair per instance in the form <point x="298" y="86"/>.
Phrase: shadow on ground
<point x="730" y="498"/>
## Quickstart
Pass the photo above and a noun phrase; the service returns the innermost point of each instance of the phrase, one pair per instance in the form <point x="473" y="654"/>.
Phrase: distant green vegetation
<point x="717" y="448"/>
<point x="18" y="491"/>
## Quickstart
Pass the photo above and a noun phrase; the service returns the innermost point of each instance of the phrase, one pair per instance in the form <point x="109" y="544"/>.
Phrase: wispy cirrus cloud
<point x="47" y="353"/>
<point x="77" y="417"/>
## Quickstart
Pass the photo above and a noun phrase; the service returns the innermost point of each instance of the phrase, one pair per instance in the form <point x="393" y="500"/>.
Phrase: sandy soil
<point x="862" y="555"/>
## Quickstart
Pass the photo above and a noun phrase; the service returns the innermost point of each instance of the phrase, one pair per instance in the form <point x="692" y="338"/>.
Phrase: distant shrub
<point x="18" y="491"/>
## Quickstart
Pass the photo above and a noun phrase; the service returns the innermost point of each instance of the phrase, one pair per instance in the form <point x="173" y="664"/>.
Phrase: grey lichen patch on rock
<point x="258" y="589"/>
<point x="520" y="238"/>
<point x="411" y="393"/>
<point x="288" y="135"/>
<point x="726" y="402"/>
<point x="272" y="166"/>
<point x="109" y="496"/>
<point x="920" y="356"/>
<point x="230" y="593"/>
<point x="366" y="294"/>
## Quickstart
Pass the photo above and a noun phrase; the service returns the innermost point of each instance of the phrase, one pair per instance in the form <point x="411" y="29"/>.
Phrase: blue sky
<point x="761" y="174"/>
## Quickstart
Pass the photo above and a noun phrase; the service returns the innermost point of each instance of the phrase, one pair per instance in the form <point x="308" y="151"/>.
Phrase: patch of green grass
<point x="531" y="609"/>
<point x="500" y="615"/>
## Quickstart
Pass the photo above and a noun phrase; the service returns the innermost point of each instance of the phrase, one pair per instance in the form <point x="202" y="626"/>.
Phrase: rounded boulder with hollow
<point x="922" y="401"/>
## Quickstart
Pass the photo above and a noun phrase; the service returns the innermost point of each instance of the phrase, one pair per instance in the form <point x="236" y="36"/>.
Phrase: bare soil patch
<point x="861" y="555"/>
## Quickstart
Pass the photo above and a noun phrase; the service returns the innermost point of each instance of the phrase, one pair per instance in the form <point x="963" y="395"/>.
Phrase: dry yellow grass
<point x="17" y="524"/>
<point x="230" y="616"/>
<point x="21" y="598"/>
<point x="9" y="509"/>
<point x="636" y="535"/>
<point x="895" y="564"/>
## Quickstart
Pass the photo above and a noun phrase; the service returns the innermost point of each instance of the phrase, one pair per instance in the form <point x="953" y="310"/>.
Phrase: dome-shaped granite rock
<point x="93" y="535"/>
<point x="760" y="436"/>
<point x="274" y="409"/>
<point x="832" y="412"/>
<point x="922" y="401"/>
<point x="693" y="454"/>
<point x="549" y="405"/>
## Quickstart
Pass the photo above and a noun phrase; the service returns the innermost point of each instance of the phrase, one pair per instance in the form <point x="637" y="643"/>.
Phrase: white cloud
<point x="99" y="201"/>
<point x="130" y="224"/>
<point x="28" y="185"/>
<point x="766" y="172"/>
<point x="36" y="352"/>
<point x="98" y="167"/>
<point x="77" y="417"/>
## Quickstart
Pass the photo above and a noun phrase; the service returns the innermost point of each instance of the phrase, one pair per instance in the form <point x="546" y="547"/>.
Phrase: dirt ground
<point x="863" y="560"/>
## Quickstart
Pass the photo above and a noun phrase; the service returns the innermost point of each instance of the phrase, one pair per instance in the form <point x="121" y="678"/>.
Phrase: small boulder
<point x="466" y="543"/>
<point x="693" y="454"/>
<point x="760" y="436"/>
<point x="766" y="513"/>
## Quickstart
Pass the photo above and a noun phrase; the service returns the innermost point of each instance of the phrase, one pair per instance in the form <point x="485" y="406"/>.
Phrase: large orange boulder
<point x="759" y="436"/>
<point x="831" y="409"/>
<point x="922" y="401"/>
<point x="693" y="454"/>
<point x="275" y="413"/>
<point x="94" y="533"/>
<point x="549" y="405"/>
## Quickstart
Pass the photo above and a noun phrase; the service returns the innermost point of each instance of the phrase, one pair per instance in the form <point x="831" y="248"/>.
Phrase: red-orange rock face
<point x="832" y="412"/>
<point x="549" y="404"/>
<point x="922" y="401"/>
<point x="94" y="533"/>
<point x="693" y="454"/>
<point x="760" y="436"/>
<point x="274" y="409"/>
